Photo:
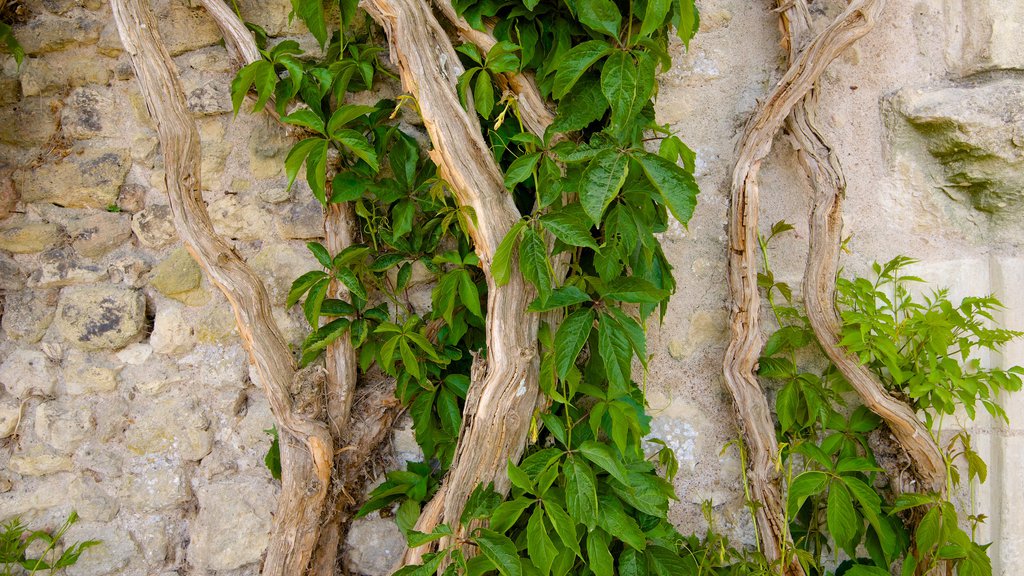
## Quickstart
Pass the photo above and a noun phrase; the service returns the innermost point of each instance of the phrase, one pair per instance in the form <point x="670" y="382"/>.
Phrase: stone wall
<point x="126" y="393"/>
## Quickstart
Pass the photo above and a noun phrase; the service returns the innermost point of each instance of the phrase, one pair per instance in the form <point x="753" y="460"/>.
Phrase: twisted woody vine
<point x="524" y="177"/>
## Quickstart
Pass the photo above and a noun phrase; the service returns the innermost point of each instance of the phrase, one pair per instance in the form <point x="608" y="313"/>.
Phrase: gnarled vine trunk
<point x="745" y="344"/>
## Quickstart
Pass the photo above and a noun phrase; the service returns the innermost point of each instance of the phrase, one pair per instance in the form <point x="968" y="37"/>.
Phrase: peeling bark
<point x="745" y="344"/>
<point x="306" y="445"/>
<point x="504" y="387"/>
<point x="826" y="223"/>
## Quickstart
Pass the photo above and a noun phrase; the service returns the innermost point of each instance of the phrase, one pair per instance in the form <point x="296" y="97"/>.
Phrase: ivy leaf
<point x="345" y="114"/>
<point x="311" y="307"/>
<point x="570" y="338"/>
<point x="804" y="486"/>
<point x="616" y="353"/>
<point x="599" y="556"/>
<point x="581" y="491"/>
<point x="631" y="563"/>
<point x="602" y="455"/>
<point x="686" y="21"/>
<point x="469" y="294"/>
<point x="359" y="146"/>
<point x="600" y="15"/>
<point x="602" y="180"/>
<point x="665" y="562"/>
<point x="541" y="548"/>
<point x="321" y="253"/>
<point x="634" y="290"/>
<point x="588" y="105"/>
<point x="325" y="335"/>
<point x="351" y="281"/>
<point x="533" y="261"/>
<point x="302" y="284"/>
<point x="676" y="186"/>
<point x="402" y="216"/>
<point x="521" y="169"/>
<point x="619" y="524"/>
<point x="499" y="550"/>
<point x="654" y="15"/>
<point x="560" y="298"/>
<point x="305" y="118"/>
<point x="316" y="170"/>
<point x="311" y="12"/>
<point x="564" y="526"/>
<point x="627" y="84"/>
<point x="575" y="62"/>
<point x="297" y="155"/>
<point x="449" y="411"/>
<point x="261" y="74"/>
<point x="571" y="225"/>
<point x="841" y="518"/>
<point x="483" y="94"/>
<point x="501" y="266"/>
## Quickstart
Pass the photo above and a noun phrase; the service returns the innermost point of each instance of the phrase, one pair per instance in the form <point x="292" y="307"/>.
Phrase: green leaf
<point x="602" y="455"/>
<point x="321" y="254"/>
<point x="539" y="546"/>
<point x="325" y="335"/>
<point x="311" y="307"/>
<point x="804" y="486"/>
<point x="841" y="518"/>
<point x="599" y="557"/>
<point x="634" y="290"/>
<point x="297" y="155"/>
<point x="358" y="145"/>
<point x="616" y="522"/>
<point x="501" y="266"/>
<point x="654" y="15"/>
<point x="351" y="281"/>
<point x="402" y="216"/>
<point x="306" y="118"/>
<point x="345" y="114"/>
<point x="665" y="562"/>
<point x="311" y="12"/>
<point x="602" y="180"/>
<point x="302" y="284"/>
<point x="575" y="62"/>
<point x="616" y="353"/>
<point x="585" y="104"/>
<point x="335" y="307"/>
<point x="521" y="169"/>
<point x="571" y="225"/>
<point x="533" y="261"/>
<point x="261" y="74"/>
<point x="273" y="458"/>
<point x="508" y="513"/>
<point x="499" y="550"/>
<point x="564" y="526"/>
<point x="631" y="563"/>
<point x="581" y="491"/>
<point x="449" y="411"/>
<point x="600" y="15"/>
<point x="676" y="186"/>
<point x="687" y="21"/>
<point x="483" y="94"/>
<point x="570" y="339"/>
<point x="469" y="294"/>
<point x="560" y="298"/>
<point x="627" y="84"/>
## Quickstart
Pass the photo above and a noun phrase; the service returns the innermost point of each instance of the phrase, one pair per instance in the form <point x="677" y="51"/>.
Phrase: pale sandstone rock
<point x="237" y="219"/>
<point x="20" y="236"/>
<point x="98" y="233"/>
<point x="54" y="73"/>
<point x="176" y="274"/>
<point x="10" y="417"/>
<point x="63" y="425"/>
<point x="48" y="33"/>
<point x="991" y="31"/>
<point x="87" y="180"/>
<point x="154" y="226"/>
<point x="280" y="264"/>
<point x="135" y="354"/>
<point x="115" y="551"/>
<point x="83" y="374"/>
<point x="39" y="461"/>
<point x="174" y="425"/>
<point x="29" y="122"/>
<point x="60" y="267"/>
<point x="375" y="545"/>
<point x="28" y="313"/>
<point x="89" y="113"/>
<point x="92" y="501"/>
<point x="172" y="334"/>
<point x="184" y="29"/>
<point x="303" y="221"/>
<point x="232" y="528"/>
<point x="100" y="316"/>
<point x="155" y="485"/>
<point x="28" y="372"/>
<point x="11" y="276"/>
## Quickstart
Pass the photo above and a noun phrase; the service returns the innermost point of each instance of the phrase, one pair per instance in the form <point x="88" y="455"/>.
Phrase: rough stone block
<point x="87" y="180"/>
<point x="21" y="236"/>
<point x="83" y="374"/>
<point x="60" y="267"/>
<point x="115" y="550"/>
<point x="28" y="313"/>
<point x="279" y="265"/>
<point x="27" y="372"/>
<point x="39" y="461"/>
<point x="100" y="232"/>
<point x="48" y="33"/>
<point x="172" y="334"/>
<point x="88" y="113"/>
<point x="29" y="122"/>
<point x="232" y="528"/>
<point x="991" y="31"/>
<point x="375" y="545"/>
<point x="63" y="425"/>
<point x="178" y="273"/>
<point x="54" y="73"/>
<point x="154" y="226"/>
<point x="174" y="425"/>
<point x="156" y="485"/>
<point x="10" y="416"/>
<point x="100" y="316"/>
<point x="976" y="138"/>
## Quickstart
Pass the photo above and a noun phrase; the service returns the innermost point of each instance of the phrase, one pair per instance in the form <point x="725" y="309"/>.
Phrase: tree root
<point x="306" y="444"/>
<point x="745" y="345"/>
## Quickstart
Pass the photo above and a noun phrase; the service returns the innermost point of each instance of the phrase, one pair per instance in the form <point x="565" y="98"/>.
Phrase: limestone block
<point x="232" y="528"/>
<point x="976" y="133"/>
<point x="172" y="334"/>
<point x="50" y="492"/>
<point x="155" y="485"/>
<point x="706" y="328"/>
<point x="83" y="374"/>
<point x="153" y="536"/>
<point x="375" y="545"/>
<point x="88" y="113"/>
<point x="100" y="316"/>
<point x="28" y="372"/>
<point x="992" y="30"/>
<point x="48" y="33"/>
<point x="100" y="232"/>
<point x="60" y="267"/>
<point x="28" y="313"/>
<point x="170" y="424"/>
<point x="29" y="122"/>
<point x="87" y="180"/>
<point x="303" y="221"/>
<point x="185" y="29"/>
<point x="39" y="461"/>
<point x="11" y="276"/>
<point x="178" y="273"/>
<point x="10" y="417"/>
<point x="63" y="425"/>
<point x="92" y="501"/>
<point x="154" y="226"/>
<point x="21" y="236"/>
<point x="135" y="354"/>
<point x="279" y="265"/>
<point x="273" y="16"/>
<point x="238" y="219"/>
<point x="53" y="74"/>
<point x="115" y="550"/>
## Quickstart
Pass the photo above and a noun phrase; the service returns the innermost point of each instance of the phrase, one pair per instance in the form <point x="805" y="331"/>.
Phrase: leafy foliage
<point x="15" y="540"/>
